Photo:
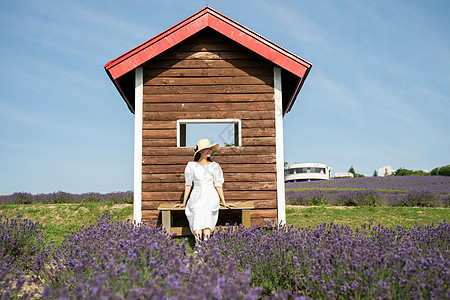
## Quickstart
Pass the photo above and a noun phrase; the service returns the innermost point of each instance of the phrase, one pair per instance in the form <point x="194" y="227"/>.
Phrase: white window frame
<point x="210" y="121"/>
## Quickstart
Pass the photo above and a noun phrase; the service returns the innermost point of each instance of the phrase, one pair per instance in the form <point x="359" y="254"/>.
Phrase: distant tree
<point x="407" y="172"/>
<point x="375" y="173"/>
<point x="443" y="171"/>
<point x="351" y="170"/>
<point x="286" y="164"/>
<point x="402" y="172"/>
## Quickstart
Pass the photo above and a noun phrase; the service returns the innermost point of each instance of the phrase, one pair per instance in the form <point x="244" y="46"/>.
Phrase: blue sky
<point x="378" y="92"/>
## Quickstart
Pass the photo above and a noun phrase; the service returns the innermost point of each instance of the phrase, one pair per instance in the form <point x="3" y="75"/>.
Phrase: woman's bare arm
<point x="187" y="190"/>
<point x="222" y="197"/>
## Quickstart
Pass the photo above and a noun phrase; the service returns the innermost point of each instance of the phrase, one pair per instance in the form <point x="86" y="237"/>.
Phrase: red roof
<point x="208" y="17"/>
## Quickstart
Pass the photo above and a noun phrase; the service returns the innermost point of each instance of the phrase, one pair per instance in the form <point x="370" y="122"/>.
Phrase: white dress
<point x="202" y="208"/>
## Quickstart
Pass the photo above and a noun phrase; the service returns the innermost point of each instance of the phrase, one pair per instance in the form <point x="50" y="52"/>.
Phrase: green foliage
<point x="375" y="173"/>
<point x="352" y="170"/>
<point x="22" y="241"/>
<point x="23" y="198"/>
<point x="443" y="171"/>
<point x="423" y="198"/>
<point x="406" y="172"/>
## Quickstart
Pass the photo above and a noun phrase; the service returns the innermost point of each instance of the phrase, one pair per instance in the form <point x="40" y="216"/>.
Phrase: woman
<point x="202" y="210"/>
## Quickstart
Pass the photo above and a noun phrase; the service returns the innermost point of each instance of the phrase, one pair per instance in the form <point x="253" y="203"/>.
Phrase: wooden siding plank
<point x="207" y="55"/>
<point x="254" y="141"/>
<point x="228" y="186"/>
<point x="258" y="131"/>
<point x="257" y="159"/>
<point x="243" y="115"/>
<point x="208" y="45"/>
<point x="223" y="151"/>
<point x="166" y="98"/>
<point x="203" y="107"/>
<point x="226" y="167"/>
<point x="159" y="133"/>
<point x="202" y="81"/>
<point x="228" y="177"/>
<point x="265" y="213"/>
<point x="258" y="203"/>
<point x="258" y="123"/>
<point x="202" y="72"/>
<point x="206" y="64"/>
<point x="230" y="195"/>
<point x="214" y="89"/>
<point x="159" y="142"/>
<point x="160" y="125"/>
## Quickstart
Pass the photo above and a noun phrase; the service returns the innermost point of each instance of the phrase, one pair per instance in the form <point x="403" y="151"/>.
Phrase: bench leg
<point x="166" y="220"/>
<point x="246" y="220"/>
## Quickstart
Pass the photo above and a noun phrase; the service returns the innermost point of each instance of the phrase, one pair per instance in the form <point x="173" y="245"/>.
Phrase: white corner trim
<point x="281" y="206"/>
<point x="138" y="120"/>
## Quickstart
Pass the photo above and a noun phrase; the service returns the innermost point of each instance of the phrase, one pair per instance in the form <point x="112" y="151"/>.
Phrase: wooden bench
<point x="180" y="226"/>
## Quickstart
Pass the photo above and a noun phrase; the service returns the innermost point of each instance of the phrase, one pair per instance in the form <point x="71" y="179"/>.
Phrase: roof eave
<point x="297" y="89"/>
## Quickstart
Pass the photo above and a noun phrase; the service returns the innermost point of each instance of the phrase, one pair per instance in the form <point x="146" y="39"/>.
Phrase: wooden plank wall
<point x="210" y="76"/>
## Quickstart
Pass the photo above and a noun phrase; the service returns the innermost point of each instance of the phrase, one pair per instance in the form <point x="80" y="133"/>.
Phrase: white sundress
<point x="202" y="208"/>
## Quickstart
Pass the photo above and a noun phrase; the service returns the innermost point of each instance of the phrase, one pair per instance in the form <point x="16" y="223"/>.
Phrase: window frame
<point x="237" y="123"/>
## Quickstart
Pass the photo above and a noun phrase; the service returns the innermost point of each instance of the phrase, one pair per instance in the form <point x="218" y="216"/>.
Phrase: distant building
<point x="306" y="172"/>
<point x="343" y="175"/>
<point x="385" y="171"/>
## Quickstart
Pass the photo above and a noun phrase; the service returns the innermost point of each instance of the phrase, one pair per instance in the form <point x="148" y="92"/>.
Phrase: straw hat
<point x="205" y="143"/>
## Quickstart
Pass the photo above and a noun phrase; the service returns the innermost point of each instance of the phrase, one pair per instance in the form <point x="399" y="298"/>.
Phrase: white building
<point x="343" y="175"/>
<point x="385" y="171"/>
<point x="306" y="172"/>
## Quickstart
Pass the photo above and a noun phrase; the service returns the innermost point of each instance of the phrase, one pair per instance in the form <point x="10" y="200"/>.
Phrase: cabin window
<point x="225" y="132"/>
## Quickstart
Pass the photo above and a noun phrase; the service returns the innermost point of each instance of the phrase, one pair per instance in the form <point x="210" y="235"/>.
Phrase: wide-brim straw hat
<point x="205" y="143"/>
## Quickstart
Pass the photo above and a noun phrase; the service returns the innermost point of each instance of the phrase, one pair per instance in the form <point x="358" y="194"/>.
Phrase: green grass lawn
<point x="354" y="216"/>
<point x="60" y="219"/>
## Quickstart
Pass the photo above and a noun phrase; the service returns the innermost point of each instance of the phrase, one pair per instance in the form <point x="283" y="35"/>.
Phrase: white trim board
<point x="281" y="206"/>
<point x="138" y="120"/>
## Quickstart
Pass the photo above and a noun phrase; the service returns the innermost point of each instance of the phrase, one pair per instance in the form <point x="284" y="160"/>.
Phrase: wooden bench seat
<point x="174" y="220"/>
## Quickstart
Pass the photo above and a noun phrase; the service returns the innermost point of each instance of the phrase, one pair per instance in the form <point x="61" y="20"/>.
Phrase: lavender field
<point x="118" y="260"/>
<point x="64" y="197"/>
<point x="426" y="191"/>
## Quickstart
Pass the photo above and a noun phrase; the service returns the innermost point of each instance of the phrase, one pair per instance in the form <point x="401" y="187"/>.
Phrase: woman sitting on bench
<point x="202" y="210"/>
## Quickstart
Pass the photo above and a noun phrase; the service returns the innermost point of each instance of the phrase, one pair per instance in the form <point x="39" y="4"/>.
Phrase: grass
<point x="344" y="189"/>
<point x="354" y="216"/>
<point x="61" y="219"/>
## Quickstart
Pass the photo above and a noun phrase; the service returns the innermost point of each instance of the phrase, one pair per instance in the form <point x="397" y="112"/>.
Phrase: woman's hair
<point x="197" y="157"/>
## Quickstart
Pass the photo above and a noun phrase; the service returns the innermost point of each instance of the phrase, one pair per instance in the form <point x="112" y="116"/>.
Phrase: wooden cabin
<point x="209" y="69"/>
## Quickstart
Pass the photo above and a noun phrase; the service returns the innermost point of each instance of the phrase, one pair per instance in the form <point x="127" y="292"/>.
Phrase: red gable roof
<point x="208" y="17"/>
